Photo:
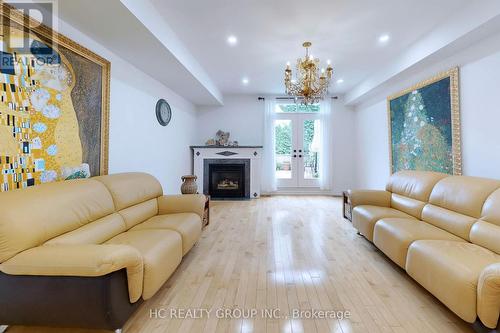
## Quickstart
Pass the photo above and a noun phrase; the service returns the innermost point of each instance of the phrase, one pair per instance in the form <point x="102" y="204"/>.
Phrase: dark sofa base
<point x="479" y="327"/>
<point x="66" y="301"/>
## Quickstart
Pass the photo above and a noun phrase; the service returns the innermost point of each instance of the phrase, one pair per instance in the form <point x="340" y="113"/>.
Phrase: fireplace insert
<point x="227" y="178"/>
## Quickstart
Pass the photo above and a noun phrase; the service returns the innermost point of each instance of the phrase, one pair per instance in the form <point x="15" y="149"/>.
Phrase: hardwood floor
<point x="289" y="253"/>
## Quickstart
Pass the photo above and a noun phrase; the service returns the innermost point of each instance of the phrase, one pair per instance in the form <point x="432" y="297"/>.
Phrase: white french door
<point x="297" y="148"/>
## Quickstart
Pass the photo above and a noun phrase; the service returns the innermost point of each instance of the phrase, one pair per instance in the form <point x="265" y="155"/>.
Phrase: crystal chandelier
<point x="311" y="84"/>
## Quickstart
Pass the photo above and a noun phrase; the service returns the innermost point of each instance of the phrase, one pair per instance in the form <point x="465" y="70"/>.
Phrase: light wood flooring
<point x="289" y="253"/>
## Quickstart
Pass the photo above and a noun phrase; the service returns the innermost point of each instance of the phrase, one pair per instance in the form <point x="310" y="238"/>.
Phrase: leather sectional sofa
<point x="445" y="232"/>
<point x="85" y="253"/>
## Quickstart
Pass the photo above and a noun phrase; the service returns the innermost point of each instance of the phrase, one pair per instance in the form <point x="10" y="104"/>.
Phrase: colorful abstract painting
<point x="54" y="100"/>
<point x="424" y="128"/>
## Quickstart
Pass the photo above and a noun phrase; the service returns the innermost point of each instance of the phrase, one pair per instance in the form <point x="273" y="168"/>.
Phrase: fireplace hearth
<point x="227" y="178"/>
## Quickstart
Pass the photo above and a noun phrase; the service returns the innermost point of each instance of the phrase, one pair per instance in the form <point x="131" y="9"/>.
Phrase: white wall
<point x="243" y="116"/>
<point x="342" y="147"/>
<point x="371" y="146"/>
<point x="480" y="93"/>
<point x="480" y="117"/>
<point x="136" y="141"/>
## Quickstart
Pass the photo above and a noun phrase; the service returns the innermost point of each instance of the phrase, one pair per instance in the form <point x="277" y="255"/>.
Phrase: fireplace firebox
<point x="227" y="178"/>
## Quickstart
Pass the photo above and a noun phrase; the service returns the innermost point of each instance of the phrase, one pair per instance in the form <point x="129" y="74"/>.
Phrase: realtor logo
<point x="42" y="13"/>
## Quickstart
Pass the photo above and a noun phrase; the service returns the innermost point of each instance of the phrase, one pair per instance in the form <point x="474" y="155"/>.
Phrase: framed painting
<point x="54" y="103"/>
<point x="424" y="126"/>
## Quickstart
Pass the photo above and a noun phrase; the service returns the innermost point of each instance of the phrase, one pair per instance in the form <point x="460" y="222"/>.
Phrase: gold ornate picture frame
<point x="424" y="125"/>
<point x="76" y="106"/>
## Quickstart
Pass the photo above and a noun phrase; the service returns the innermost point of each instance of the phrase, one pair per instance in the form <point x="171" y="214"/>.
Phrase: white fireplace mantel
<point x="252" y="153"/>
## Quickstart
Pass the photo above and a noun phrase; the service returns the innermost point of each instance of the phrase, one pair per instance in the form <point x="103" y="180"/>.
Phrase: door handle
<point x="300" y="155"/>
<point x="295" y="150"/>
<point x="300" y="150"/>
<point x="294" y="156"/>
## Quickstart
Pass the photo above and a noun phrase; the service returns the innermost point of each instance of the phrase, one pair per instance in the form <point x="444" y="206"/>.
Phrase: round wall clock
<point x="163" y="112"/>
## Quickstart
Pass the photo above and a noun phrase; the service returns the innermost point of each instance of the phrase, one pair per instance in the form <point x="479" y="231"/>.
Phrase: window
<point x="296" y="108"/>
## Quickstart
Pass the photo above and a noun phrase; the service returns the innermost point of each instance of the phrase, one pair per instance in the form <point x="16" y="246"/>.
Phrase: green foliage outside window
<point x="283" y="139"/>
<point x="299" y="108"/>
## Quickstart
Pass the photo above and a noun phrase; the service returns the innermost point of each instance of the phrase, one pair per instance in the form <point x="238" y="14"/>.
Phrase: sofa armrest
<point x="185" y="203"/>
<point x="86" y="260"/>
<point x="370" y="197"/>
<point x="488" y="295"/>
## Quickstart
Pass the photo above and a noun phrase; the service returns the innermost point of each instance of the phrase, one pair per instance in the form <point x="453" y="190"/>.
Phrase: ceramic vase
<point x="189" y="185"/>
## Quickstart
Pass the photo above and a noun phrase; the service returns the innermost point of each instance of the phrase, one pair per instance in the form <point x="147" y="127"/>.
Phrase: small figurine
<point x="222" y="138"/>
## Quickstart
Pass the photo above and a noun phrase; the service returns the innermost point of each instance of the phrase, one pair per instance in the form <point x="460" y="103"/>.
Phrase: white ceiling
<point x="136" y="32"/>
<point x="271" y="32"/>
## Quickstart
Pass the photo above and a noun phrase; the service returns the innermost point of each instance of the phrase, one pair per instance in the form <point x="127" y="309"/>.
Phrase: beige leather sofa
<point x="89" y="229"/>
<point x="445" y="232"/>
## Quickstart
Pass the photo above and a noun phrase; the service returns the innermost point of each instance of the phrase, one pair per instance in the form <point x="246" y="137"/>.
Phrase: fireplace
<point x="227" y="178"/>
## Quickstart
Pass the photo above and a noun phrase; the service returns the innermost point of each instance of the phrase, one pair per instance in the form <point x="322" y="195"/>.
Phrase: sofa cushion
<point x="34" y="215"/>
<point x="393" y="236"/>
<point x="462" y="194"/>
<point x="140" y="212"/>
<point x="450" y="271"/>
<point x="411" y="190"/>
<point x="486" y="232"/>
<point x="96" y="232"/>
<point x="131" y="188"/>
<point x="364" y="218"/>
<point x="161" y="252"/>
<point x="491" y="208"/>
<point x="187" y="224"/>
<point x="414" y="184"/>
<point x="407" y="205"/>
<point x="456" y="223"/>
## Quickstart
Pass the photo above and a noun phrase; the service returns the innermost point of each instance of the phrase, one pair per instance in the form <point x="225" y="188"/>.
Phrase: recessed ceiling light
<point x="340" y="81"/>
<point x="232" y="40"/>
<point x="245" y="81"/>
<point x="384" y="38"/>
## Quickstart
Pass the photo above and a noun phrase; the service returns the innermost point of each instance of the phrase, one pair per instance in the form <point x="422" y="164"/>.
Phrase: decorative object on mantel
<point x="221" y="140"/>
<point x="189" y="185"/>
<point x="310" y="85"/>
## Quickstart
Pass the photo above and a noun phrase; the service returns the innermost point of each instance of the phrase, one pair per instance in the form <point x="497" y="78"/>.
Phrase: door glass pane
<point x="311" y="149"/>
<point x="283" y="140"/>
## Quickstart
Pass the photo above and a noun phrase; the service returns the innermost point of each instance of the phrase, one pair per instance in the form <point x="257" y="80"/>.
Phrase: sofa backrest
<point x="134" y="195"/>
<point x="31" y="216"/>
<point x="410" y="190"/>
<point x="486" y="231"/>
<point x="456" y="203"/>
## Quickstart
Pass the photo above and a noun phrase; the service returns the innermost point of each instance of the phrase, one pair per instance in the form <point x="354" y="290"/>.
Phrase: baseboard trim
<point x="301" y="191"/>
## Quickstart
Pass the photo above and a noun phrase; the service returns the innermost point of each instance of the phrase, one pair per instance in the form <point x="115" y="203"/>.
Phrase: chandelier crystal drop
<point x="311" y="83"/>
